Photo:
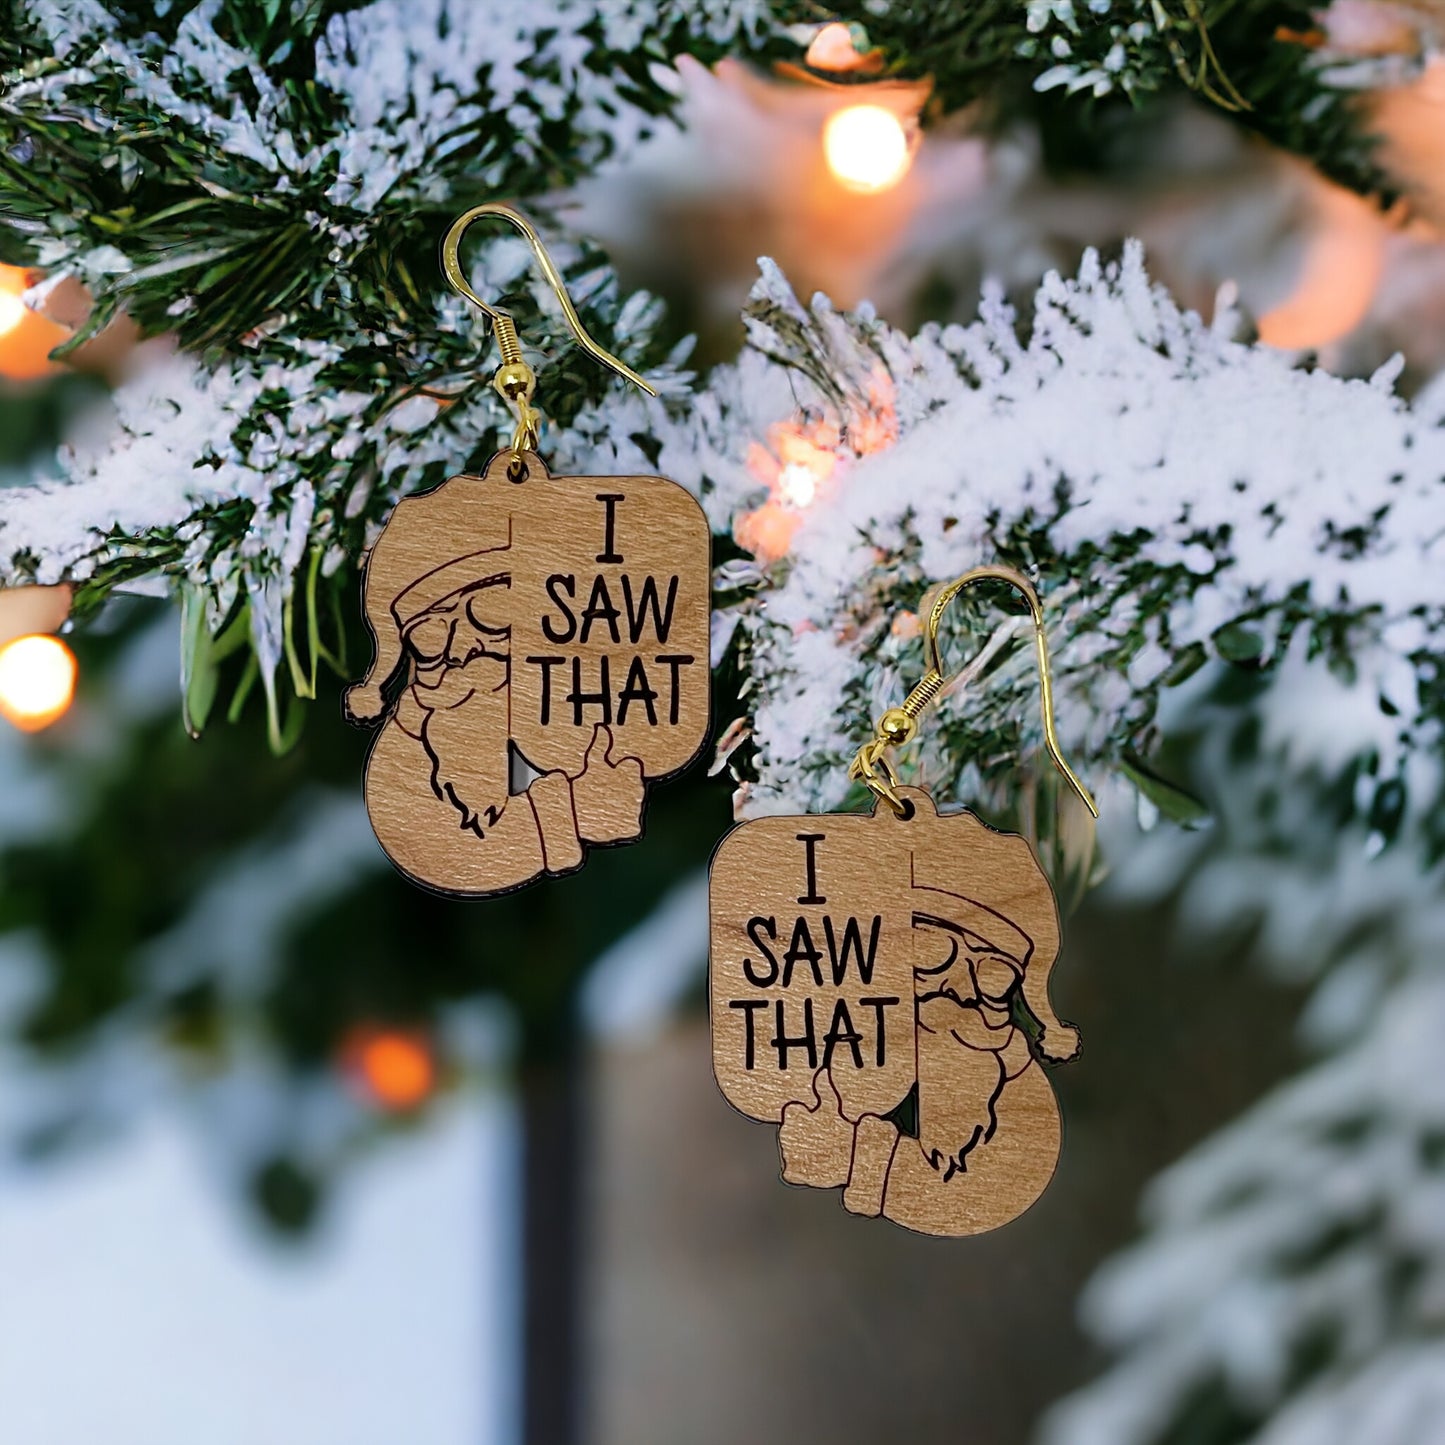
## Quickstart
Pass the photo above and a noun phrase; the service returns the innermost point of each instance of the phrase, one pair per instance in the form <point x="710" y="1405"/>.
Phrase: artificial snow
<point x="1133" y="439"/>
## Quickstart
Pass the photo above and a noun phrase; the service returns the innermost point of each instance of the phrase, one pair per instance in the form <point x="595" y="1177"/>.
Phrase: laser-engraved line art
<point x="554" y="663"/>
<point x="924" y="1099"/>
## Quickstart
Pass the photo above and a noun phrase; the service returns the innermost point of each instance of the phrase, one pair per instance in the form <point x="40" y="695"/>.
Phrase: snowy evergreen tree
<point x="261" y="187"/>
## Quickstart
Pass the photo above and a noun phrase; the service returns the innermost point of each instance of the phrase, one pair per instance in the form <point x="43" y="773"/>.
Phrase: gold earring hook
<point x="515" y="379"/>
<point x="899" y="724"/>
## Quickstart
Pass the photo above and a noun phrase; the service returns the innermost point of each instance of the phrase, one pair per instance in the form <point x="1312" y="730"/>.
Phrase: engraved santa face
<point x="953" y="1128"/>
<point x="968" y="965"/>
<point x="556" y="623"/>
<point x="461" y="647"/>
<point x="469" y="623"/>
<point x="968" y="954"/>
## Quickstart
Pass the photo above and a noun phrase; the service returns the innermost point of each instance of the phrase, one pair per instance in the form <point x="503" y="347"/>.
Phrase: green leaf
<point x="1239" y="644"/>
<point x="1173" y="801"/>
<point x="1185" y="665"/>
<point x="102" y="313"/>
<point x="202" y="656"/>
<point x="290" y="733"/>
<point x="243" y="688"/>
<point x="301" y="685"/>
<point x="199" y="676"/>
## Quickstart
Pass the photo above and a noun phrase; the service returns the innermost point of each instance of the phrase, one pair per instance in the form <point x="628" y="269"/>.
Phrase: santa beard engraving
<point x="968" y="1046"/>
<point x="461" y="687"/>
<point x="440" y="778"/>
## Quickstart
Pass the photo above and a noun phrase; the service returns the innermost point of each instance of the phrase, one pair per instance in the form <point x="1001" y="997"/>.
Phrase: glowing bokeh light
<point x="26" y="337"/>
<point x="866" y="148"/>
<point x="12" y="312"/>
<point x="797" y="485"/>
<point x="37" y="681"/>
<point x="395" y="1069"/>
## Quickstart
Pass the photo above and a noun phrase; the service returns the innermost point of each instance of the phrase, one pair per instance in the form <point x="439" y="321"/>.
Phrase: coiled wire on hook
<point x="514" y="380"/>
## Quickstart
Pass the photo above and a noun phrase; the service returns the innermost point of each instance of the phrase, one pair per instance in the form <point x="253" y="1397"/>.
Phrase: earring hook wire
<point x="898" y="725"/>
<point x="515" y="379"/>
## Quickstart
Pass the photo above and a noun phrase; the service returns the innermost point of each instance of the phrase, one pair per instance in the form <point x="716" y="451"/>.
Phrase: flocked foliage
<point x="1257" y="60"/>
<point x="266" y="183"/>
<point x="1288" y="1287"/>
<point x="1176" y="493"/>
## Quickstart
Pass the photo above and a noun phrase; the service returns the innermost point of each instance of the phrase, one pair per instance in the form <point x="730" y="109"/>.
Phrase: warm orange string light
<point x="37" y="681"/>
<point x="26" y="339"/>
<point x="394" y="1068"/>
<point x="12" y="312"/>
<point x="866" y="148"/>
<point x="800" y="461"/>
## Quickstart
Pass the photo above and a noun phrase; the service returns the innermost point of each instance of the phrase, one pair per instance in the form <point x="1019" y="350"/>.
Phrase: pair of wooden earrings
<point x="878" y="982"/>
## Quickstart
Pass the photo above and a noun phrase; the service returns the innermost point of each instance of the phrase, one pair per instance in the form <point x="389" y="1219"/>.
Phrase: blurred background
<point x="295" y="1152"/>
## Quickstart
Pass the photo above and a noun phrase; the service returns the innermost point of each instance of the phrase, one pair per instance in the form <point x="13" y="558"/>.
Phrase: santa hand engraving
<point x="817" y="1143"/>
<point x="984" y="1131"/>
<point x="364" y="703"/>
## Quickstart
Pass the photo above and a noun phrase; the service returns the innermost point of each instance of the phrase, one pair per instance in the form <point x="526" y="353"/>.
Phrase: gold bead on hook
<point x="896" y="727"/>
<point x="515" y="381"/>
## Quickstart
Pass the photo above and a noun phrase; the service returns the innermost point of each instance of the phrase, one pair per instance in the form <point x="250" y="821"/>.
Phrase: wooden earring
<point x="879" y="989"/>
<point x="554" y="636"/>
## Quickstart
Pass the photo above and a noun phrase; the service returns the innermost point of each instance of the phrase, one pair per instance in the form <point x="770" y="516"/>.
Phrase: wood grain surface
<point x="878" y="988"/>
<point x="552" y="633"/>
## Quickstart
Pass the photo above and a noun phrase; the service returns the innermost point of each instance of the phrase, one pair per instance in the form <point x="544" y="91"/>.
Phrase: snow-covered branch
<point x="1292" y="1272"/>
<point x="1178" y="494"/>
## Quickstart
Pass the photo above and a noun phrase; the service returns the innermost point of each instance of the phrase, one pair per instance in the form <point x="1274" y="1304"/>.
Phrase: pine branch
<point x="230" y="166"/>
<point x="1311" y="1223"/>
<point x="1075" y="65"/>
<point x="267" y="184"/>
<point x="1173" y="492"/>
